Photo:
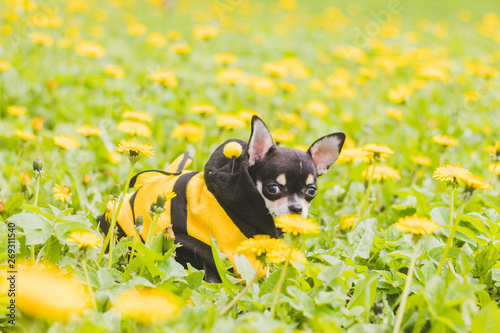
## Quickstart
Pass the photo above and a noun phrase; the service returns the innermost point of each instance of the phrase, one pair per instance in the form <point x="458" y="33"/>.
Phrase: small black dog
<point x="233" y="199"/>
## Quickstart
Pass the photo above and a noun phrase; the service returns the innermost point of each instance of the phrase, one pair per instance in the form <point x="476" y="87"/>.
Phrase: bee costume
<point x="217" y="202"/>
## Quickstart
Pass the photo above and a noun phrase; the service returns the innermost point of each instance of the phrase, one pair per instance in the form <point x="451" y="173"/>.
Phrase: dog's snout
<point x="295" y="209"/>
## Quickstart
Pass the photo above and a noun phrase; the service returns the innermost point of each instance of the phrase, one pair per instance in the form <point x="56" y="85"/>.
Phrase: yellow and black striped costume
<point x="217" y="202"/>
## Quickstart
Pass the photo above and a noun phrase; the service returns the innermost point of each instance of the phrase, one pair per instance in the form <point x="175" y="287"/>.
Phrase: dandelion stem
<point x="132" y="252"/>
<point x="279" y="286"/>
<point x="243" y="292"/>
<point x="37" y="189"/>
<point x="406" y="291"/>
<point x="490" y="176"/>
<point x="85" y="271"/>
<point x="151" y="231"/>
<point x="362" y="210"/>
<point x="450" y="236"/>
<point x="111" y="232"/>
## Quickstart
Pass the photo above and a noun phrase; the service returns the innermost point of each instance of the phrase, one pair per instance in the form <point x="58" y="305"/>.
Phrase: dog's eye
<point x="311" y="191"/>
<point x="273" y="189"/>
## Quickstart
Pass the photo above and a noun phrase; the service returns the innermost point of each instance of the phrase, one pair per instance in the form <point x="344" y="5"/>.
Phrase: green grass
<point x="354" y="279"/>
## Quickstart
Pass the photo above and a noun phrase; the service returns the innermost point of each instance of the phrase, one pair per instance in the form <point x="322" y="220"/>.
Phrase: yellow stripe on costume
<point x="200" y="203"/>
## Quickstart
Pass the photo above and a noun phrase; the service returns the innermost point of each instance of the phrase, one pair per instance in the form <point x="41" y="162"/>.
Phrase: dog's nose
<point x="295" y="209"/>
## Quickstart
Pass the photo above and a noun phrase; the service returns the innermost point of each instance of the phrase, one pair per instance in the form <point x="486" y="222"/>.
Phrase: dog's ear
<point x="260" y="141"/>
<point x="326" y="150"/>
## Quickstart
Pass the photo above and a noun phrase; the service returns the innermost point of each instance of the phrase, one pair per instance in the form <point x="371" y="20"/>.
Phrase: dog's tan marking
<point x="281" y="179"/>
<point x="310" y="180"/>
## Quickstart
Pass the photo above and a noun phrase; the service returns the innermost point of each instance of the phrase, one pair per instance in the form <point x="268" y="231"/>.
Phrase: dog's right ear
<point x="260" y="141"/>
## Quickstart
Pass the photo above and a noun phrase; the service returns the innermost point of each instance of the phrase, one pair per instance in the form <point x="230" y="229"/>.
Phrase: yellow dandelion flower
<point x="88" y="130"/>
<point x="247" y="115"/>
<point x="164" y="77"/>
<point x="263" y="85"/>
<point x="189" y="131"/>
<point x="230" y="75"/>
<point x="137" y="29"/>
<point x="37" y="124"/>
<point x="203" y="108"/>
<point x="230" y="121"/>
<point x="471" y="96"/>
<point x="382" y="172"/>
<point x="280" y="255"/>
<point x="416" y="225"/>
<point x="347" y="221"/>
<point x="445" y="140"/>
<point x="400" y="94"/>
<point x="148" y="306"/>
<point x="180" y="48"/>
<point x="259" y="245"/>
<point x="135" y="147"/>
<point x="317" y="108"/>
<point x="373" y="151"/>
<point x="114" y="71"/>
<point x="496" y="167"/>
<point x="174" y="35"/>
<point x="473" y="182"/>
<point x="25" y="135"/>
<point x="282" y="136"/>
<point x="275" y="69"/>
<point x="205" y="32"/>
<point x="421" y="160"/>
<point x="156" y="39"/>
<point x="452" y="174"/>
<point x="67" y="142"/>
<point x="287" y="86"/>
<point x="225" y="58"/>
<point x="133" y="128"/>
<point x="300" y="147"/>
<point x="350" y="155"/>
<point x="25" y="178"/>
<point x="61" y="193"/>
<point x="137" y="115"/>
<point x="296" y="224"/>
<point x="4" y="65"/>
<point x="114" y="157"/>
<point x="394" y="113"/>
<point x="41" y="38"/>
<point x="292" y="119"/>
<point x="84" y="239"/>
<point x="47" y="293"/>
<point x="90" y="50"/>
<point x="17" y="111"/>
<point x="494" y="149"/>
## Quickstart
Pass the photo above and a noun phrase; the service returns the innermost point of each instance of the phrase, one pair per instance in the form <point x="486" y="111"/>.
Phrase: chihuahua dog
<point x="285" y="177"/>
<point x="235" y="198"/>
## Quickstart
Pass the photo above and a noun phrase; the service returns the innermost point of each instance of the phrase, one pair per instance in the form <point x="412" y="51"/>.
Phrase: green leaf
<point x="13" y="203"/>
<point x="361" y="239"/>
<point x="268" y="286"/>
<point x="47" y="213"/>
<point x="244" y="268"/>
<point x="221" y="268"/>
<point x="37" y="229"/>
<point x="364" y="292"/>
<point x="487" y="320"/>
<point x="301" y="301"/>
<point x="329" y="274"/>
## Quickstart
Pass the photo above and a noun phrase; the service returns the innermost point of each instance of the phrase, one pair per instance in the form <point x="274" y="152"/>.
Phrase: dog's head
<point x="285" y="177"/>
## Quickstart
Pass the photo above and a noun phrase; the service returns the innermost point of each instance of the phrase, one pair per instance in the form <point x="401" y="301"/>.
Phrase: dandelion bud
<point x="86" y="179"/>
<point x="138" y="225"/>
<point x="115" y="192"/>
<point x="158" y="206"/>
<point x="38" y="168"/>
<point x="169" y="233"/>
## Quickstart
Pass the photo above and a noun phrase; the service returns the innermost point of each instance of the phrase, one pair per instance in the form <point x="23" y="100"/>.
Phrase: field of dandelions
<point x="403" y="235"/>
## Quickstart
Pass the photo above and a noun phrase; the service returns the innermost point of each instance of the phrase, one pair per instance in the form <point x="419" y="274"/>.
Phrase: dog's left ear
<point x="260" y="143"/>
<point x="326" y="150"/>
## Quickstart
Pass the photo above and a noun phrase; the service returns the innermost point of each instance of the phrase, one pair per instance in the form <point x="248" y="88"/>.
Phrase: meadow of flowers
<point x="403" y="234"/>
